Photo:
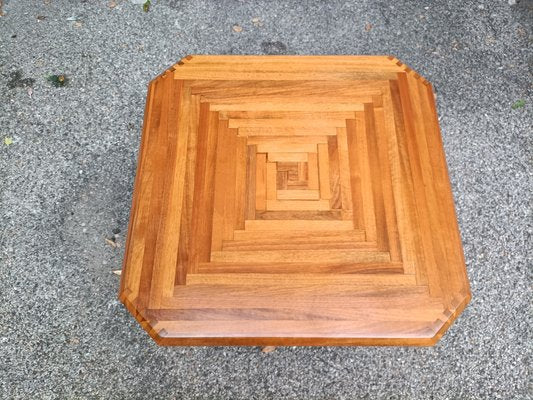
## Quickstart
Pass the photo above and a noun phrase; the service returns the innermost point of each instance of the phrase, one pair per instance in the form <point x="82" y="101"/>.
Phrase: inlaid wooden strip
<point x="296" y="184"/>
<point x="130" y="279"/>
<point x="224" y="191"/>
<point x="157" y="178"/>
<point x="301" y="309"/>
<point x="334" y="173"/>
<point x="426" y="203"/>
<point x="312" y="171"/>
<point x="323" y="171"/>
<point x="377" y="101"/>
<point x="285" y="147"/>
<point x="278" y="244"/>
<point x="309" y="96"/>
<point x="298" y="195"/>
<point x="320" y="256"/>
<point x="302" y="106"/>
<point x="202" y="212"/>
<point x="256" y="225"/>
<point x="413" y="128"/>
<point x="283" y="131"/>
<point x="286" y="157"/>
<point x="260" y="181"/>
<point x="271" y="184"/>
<point x="291" y="167"/>
<point x="288" y="314"/>
<point x="402" y="184"/>
<point x="356" y="178"/>
<point x="291" y="63"/>
<point x="443" y="194"/>
<point x="417" y="241"/>
<point x="199" y="73"/>
<point x="299" y="268"/>
<point x="230" y="210"/>
<point x="387" y="156"/>
<point x="321" y="313"/>
<point x="353" y="280"/>
<point x="303" y="294"/>
<point x="188" y="119"/>
<point x="237" y="88"/>
<point x="251" y="174"/>
<point x="428" y="175"/>
<point x="286" y="115"/>
<point x="340" y="61"/>
<point x="296" y="232"/>
<point x="399" y="298"/>
<point x="347" y="214"/>
<point x="240" y="180"/>
<point x="241" y="155"/>
<point x="344" y="170"/>
<point x="306" y="123"/>
<point x="282" y="178"/>
<point x="297" y="214"/>
<point x="359" y="155"/>
<point x="298" y="205"/>
<point x="274" y="141"/>
<point x="166" y="247"/>
<point x="313" y="243"/>
<point x="240" y="92"/>
<point x="303" y="172"/>
<point x="375" y="173"/>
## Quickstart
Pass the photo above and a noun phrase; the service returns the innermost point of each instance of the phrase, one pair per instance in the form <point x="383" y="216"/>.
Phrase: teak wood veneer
<point x="292" y="200"/>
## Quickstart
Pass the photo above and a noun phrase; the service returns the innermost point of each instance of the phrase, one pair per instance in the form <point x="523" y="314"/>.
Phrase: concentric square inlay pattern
<point x="298" y="200"/>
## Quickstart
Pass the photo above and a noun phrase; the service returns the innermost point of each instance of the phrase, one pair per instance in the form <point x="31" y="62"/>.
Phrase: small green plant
<point x="57" y="80"/>
<point x="146" y="5"/>
<point x="518" y="104"/>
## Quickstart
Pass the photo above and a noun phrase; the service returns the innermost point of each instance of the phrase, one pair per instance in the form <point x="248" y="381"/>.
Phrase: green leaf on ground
<point x="146" y="5"/>
<point x="8" y="141"/>
<point x="57" y="80"/>
<point x="518" y="104"/>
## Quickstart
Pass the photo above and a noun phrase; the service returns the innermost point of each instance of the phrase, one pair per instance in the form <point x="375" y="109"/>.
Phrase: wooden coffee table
<point x="292" y="200"/>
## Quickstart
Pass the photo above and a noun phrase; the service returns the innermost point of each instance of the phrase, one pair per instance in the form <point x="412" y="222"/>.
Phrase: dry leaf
<point x="58" y="80"/>
<point x="268" y="349"/>
<point x="77" y="24"/>
<point x="257" y="21"/>
<point x="368" y="27"/>
<point x="237" y="28"/>
<point x="117" y="272"/>
<point x="111" y="243"/>
<point x="112" y="4"/>
<point x="146" y="5"/>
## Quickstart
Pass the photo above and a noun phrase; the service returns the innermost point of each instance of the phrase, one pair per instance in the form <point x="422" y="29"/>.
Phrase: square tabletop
<point x="292" y="200"/>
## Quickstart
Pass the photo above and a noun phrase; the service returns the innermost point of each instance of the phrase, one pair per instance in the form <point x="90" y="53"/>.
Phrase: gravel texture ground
<point x="67" y="162"/>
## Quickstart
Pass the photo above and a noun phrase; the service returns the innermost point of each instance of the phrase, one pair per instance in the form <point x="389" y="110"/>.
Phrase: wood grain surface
<point x="292" y="200"/>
